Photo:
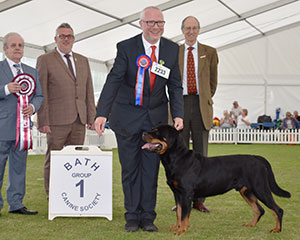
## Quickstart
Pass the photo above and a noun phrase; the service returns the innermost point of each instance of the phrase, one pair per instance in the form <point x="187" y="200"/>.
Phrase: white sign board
<point x="80" y="183"/>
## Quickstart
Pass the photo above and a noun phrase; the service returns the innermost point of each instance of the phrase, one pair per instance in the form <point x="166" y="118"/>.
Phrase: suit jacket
<point x="117" y="99"/>
<point x="8" y="104"/>
<point x="207" y="78"/>
<point x="65" y="96"/>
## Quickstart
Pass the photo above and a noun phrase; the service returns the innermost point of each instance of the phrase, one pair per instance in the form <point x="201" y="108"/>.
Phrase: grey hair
<point x="142" y="16"/>
<point x="5" y="39"/>
<point x="182" y="23"/>
<point x="64" y="25"/>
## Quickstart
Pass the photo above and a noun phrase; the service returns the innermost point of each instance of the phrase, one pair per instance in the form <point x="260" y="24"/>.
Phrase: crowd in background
<point x="237" y="117"/>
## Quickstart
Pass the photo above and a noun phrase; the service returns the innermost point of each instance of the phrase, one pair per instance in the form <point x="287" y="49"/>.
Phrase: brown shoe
<point x="200" y="207"/>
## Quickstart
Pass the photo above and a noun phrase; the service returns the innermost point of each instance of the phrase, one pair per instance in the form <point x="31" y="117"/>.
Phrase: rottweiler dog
<point x="191" y="175"/>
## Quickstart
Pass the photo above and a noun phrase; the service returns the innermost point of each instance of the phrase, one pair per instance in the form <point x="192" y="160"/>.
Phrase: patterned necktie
<point x="18" y="67"/>
<point x="67" y="56"/>
<point x="152" y="75"/>
<point x="191" y="76"/>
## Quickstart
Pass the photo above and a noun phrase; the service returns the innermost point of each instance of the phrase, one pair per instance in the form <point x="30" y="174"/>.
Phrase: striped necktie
<point x="18" y="67"/>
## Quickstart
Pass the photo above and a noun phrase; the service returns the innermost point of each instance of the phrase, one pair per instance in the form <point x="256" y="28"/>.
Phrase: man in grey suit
<point x="130" y="114"/>
<point x="13" y="46"/>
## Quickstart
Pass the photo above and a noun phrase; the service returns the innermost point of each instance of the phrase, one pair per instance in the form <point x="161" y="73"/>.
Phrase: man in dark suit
<point x="199" y="81"/>
<point x="69" y="96"/>
<point x="129" y="118"/>
<point x="13" y="47"/>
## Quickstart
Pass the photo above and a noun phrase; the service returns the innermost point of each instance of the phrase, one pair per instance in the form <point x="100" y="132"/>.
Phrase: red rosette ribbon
<point x="23" y="134"/>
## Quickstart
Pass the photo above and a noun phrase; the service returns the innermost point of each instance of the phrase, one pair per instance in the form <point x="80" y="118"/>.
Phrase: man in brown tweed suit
<point x="198" y="106"/>
<point x="69" y="97"/>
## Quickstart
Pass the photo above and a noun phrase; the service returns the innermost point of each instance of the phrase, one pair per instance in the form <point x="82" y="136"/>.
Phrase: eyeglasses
<point x="152" y="23"/>
<point x="188" y="29"/>
<point x="63" y="36"/>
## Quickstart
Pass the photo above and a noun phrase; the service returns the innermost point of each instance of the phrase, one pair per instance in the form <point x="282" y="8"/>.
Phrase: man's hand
<point x="45" y="129"/>
<point x="91" y="126"/>
<point x="13" y="87"/>
<point x="100" y="124"/>
<point x="178" y="123"/>
<point x="28" y="111"/>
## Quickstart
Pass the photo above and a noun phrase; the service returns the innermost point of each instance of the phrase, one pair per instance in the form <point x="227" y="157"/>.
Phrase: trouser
<point x="60" y="136"/>
<point x="139" y="176"/>
<point x="16" y="174"/>
<point x="193" y="127"/>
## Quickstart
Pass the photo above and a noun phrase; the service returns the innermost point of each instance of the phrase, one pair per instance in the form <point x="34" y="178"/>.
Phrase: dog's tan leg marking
<point x="178" y="221"/>
<point x="184" y="226"/>
<point x="277" y="227"/>
<point x="254" y="207"/>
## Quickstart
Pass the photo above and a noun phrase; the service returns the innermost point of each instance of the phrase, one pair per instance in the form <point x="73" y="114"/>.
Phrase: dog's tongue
<point x="147" y="146"/>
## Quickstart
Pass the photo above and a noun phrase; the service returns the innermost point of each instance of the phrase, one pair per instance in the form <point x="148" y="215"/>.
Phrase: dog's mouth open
<point x="152" y="147"/>
<point x="154" y="144"/>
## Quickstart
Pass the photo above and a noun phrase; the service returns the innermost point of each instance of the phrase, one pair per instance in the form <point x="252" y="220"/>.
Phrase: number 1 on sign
<point x="81" y="184"/>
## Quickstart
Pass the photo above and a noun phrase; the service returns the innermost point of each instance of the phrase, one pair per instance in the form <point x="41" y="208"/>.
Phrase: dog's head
<point x="160" y="139"/>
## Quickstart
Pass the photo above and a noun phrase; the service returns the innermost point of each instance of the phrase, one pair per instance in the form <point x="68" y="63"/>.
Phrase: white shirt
<point x="236" y="111"/>
<point x="242" y="124"/>
<point x="184" y="75"/>
<point x="14" y="72"/>
<point x="65" y="59"/>
<point x="148" y="49"/>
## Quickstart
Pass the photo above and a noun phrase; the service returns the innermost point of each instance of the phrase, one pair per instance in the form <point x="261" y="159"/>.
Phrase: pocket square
<point x="203" y="56"/>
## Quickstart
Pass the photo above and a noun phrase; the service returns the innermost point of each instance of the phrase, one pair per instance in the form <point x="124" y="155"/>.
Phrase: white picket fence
<point x="216" y="135"/>
<point x="106" y="141"/>
<point x="234" y="135"/>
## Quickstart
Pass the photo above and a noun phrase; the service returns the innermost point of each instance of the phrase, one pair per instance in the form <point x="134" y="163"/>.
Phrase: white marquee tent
<point x="258" y="41"/>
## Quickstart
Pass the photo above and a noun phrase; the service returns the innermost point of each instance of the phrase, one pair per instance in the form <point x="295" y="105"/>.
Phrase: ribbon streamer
<point x="143" y="62"/>
<point x="23" y="130"/>
<point x="23" y="125"/>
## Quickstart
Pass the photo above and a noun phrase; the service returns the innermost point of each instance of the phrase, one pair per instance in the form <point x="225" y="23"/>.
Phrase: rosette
<point x="143" y="62"/>
<point x="23" y="134"/>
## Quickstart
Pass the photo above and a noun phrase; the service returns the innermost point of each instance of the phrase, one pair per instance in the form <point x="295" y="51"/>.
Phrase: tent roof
<point x="100" y="24"/>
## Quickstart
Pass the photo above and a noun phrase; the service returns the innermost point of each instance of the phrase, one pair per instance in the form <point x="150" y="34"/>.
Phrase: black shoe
<point x="148" y="225"/>
<point x="132" y="226"/>
<point x="24" y="211"/>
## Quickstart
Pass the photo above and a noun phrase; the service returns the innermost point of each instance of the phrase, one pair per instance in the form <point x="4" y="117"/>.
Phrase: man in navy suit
<point x="13" y="46"/>
<point x="129" y="118"/>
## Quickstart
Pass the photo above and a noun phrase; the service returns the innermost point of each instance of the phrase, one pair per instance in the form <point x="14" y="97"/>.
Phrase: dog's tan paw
<point x="275" y="230"/>
<point x="180" y="232"/>
<point x="174" y="227"/>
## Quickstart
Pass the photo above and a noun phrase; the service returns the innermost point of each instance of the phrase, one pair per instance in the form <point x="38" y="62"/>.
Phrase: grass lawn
<point x="228" y="211"/>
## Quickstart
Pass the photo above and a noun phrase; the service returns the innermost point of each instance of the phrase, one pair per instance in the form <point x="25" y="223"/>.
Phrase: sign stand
<point x="80" y="183"/>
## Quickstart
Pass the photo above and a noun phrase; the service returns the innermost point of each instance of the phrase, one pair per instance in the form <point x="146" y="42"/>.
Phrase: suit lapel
<point x="181" y="60"/>
<point x="25" y="68"/>
<point x="7" y="71"/>
<point x="201" y="58"/>
<point x="163" y="55"/>
<point x="61" y="61"/>
<point x="141" y="51"/>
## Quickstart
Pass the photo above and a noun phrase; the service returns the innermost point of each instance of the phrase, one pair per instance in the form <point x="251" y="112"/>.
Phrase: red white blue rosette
<point x="23" y="134"/>
<point x="143" y="62"/>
